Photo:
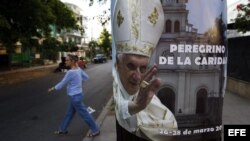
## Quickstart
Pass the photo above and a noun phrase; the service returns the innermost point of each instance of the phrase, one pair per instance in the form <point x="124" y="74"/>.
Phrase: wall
<point x="239" y="87"/>
<point x="239" y="58"/>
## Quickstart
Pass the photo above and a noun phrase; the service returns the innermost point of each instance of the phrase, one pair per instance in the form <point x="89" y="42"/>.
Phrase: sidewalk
<point x="106" y="121"/>
<point x="23" y="74"/>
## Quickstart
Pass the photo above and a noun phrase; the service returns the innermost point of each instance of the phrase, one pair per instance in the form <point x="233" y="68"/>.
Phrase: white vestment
<point x="151" y="121"/>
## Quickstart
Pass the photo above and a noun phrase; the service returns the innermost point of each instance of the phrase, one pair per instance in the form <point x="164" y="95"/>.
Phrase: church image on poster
<point x="191" y="66"/>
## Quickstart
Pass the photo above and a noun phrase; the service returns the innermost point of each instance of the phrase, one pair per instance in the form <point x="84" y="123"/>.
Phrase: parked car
<point x="99" y="58"/>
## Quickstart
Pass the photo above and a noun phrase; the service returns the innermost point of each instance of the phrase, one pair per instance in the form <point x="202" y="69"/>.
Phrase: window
<point x="176" y="26"/>
<point x="201" y="101"/>
<point x="167" y="98"/>
<point x="168" y="26"/>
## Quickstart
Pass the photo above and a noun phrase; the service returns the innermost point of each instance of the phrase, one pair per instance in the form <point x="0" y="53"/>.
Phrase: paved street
<point x="29" y="113"/>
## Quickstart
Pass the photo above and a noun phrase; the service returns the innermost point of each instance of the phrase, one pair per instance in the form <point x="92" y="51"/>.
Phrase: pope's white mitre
<point x="137" y="26"/>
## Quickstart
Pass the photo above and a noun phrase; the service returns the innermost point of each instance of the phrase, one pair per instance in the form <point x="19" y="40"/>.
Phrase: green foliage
<point x="64" y="17"/>
<point x="24" y="19"/>
<point x="50" y="48"/>
<point x="92" y="45"/>
<point x="242" y="21"/>
<point x="105" y="41"/>
<point x="216" y="34"/>
<point x="67" y="46"/>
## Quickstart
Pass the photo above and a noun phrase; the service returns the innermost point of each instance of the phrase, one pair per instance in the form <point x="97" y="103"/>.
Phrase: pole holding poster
<point x="186" y="69"/>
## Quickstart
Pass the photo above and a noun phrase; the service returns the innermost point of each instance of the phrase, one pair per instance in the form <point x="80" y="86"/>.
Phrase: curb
<point x="28" y="69"/>
<point x="100" y="119"/>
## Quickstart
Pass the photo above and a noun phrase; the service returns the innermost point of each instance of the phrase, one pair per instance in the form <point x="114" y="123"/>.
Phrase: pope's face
<point x="131" y="70"/>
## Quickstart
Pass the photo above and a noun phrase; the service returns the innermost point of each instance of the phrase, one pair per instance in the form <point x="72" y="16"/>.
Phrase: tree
<point x="103" y="17"/>
<point x="24" y="19"/>
<point x="50" y="47"/>
<point x="92" y="45"/>
<point x="105" y="41"/>
<point x="91" y="2"/>
<point x="242" y="21"/>
<point x="67" y="46"/>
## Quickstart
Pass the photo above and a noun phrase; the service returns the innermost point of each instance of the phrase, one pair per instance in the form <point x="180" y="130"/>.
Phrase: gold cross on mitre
<point x="119" y="18"/>
<point x="153" y="17"/>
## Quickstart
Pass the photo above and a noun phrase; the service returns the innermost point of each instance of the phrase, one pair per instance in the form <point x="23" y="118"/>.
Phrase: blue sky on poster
<point x="209" y="9"/>
<point x="202" y="16"/>
<point x="202" y="13"/>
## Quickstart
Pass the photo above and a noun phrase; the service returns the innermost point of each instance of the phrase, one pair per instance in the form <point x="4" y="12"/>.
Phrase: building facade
<point x="76" y="36"/>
